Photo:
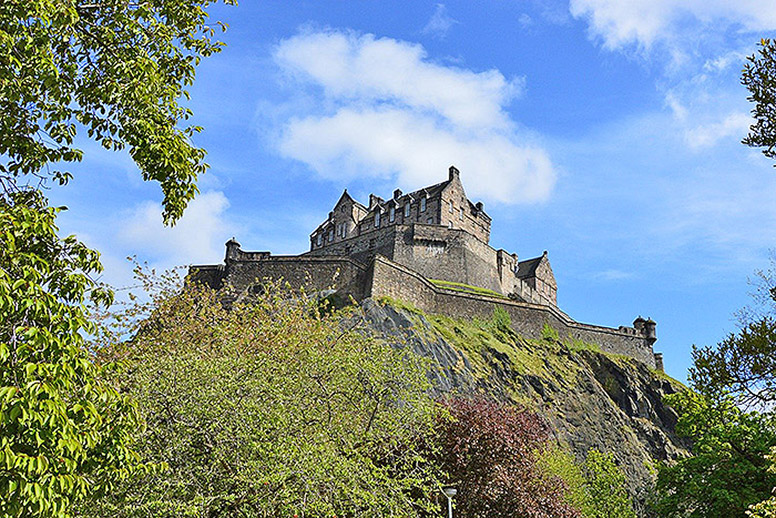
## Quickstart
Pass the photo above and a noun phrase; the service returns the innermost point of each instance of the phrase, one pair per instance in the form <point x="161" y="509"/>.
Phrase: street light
<point x="450" y="492"/>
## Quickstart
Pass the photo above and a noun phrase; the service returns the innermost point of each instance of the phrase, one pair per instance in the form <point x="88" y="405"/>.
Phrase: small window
<point x="344" y="230"/>
<point x="377" y="219"/>
<point x="450" y="224"/>
<point x="423" y="205"/>
<point x="451" y="206"/>
<point x="392" y="215"/>
<point x="331" y="235"/>
<point x="406" y="210"/>
<point x="430" y="221"/>
<point x="319" y="240"/>
<point x="460" y="214"/>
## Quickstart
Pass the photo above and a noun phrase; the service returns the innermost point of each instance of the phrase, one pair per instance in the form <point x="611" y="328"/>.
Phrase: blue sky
<point x="604" y="131"/>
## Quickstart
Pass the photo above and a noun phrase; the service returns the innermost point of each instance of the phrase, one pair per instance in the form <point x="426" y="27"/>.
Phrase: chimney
<point x="372" y="201"/>
<point x="478" y="206"/>
<point x="397" y="194"/>
<point x="454" y="173"/>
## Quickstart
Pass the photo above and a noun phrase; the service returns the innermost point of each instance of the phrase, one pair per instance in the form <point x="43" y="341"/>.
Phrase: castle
<point x="431" y="248"/>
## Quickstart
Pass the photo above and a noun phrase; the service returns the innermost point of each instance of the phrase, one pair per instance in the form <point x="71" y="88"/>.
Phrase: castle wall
<point x="311" y="273"/>
<point x="450" y="255"/>
<point x="433" y="251"/>
<point x="396" y="281"/>
<point x="362" y="248"/>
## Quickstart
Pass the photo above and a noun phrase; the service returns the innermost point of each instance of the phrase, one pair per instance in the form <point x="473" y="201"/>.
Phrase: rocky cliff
<point x="590" y="399"/>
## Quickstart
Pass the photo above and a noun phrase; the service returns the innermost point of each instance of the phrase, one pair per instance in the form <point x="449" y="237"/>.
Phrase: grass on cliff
<point x="486" y="342"/>
<point x="465" y="288"/>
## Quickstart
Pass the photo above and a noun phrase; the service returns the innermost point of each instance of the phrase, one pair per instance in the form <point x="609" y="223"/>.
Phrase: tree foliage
<point x="743" y="365"/>
<point x="271" y="408"/>
<point x="606" y="496"/>
<point x="728" y="470"/>
<point x="65" y="433"/>
<point x="490" y="454"/>
<point x="766" y="508"/>
<point x="114" y="68"/>
<point x="596" y="487"/>
<point x="759" y="77"/>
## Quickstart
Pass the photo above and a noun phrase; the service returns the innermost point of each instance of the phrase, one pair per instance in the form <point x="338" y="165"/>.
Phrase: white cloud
<point x="644" y="22"/>
<point x="198" y="237"/>
<point x="440" y="23"/>
<point x="355" y="68"/>
<point x="612" y="275"/>
<point x="384" y="141"/>
<point x="387" y="110"/>
<point x="734" y="125"/>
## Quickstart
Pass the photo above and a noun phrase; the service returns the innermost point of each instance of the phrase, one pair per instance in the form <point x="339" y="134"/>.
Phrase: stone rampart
<point x="244" y="270"/>
<point x="393" y="280"/>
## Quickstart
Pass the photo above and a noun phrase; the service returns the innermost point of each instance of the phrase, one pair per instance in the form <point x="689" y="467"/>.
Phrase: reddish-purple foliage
<point x="490" y="453"/>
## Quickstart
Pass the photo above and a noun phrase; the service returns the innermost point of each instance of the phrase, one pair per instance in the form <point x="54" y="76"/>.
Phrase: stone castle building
<point x="431" y="248"/>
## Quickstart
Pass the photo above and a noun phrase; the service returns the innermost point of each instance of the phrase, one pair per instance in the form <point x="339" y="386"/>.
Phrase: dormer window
<point x="319" y="241"/>
<point x="392" y="214"/>
<point x="423" y="205"/>
<point x="344" y="230"/>
<point x="406" y="210"/>
<point x="331" y="235"/>
<point x="377" y="219"/>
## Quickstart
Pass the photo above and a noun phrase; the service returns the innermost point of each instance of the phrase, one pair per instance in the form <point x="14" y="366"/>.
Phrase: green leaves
<point x="728" y="470"/>
<point x="64" y="432"/>
<point x="273" y="408"/>
<point x="113" y="68"/>
<point x="759" y="77"/>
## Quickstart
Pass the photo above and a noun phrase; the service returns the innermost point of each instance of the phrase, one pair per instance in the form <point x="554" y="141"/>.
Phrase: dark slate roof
<point x="528" y="267"/>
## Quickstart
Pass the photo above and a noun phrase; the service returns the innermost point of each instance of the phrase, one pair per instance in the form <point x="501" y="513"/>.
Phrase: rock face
<point x="590" y="399"/>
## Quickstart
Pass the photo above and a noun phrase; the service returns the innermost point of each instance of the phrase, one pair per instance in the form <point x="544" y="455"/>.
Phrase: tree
<point x="728" y="470"/>
<point x="65" y="433"/>
<point x="766" y="508"/>
<point x="490" y="454"/>
<point x="114" y="68"/>
<point x="597" y="487"/>
<point x="759" y="77"/>
<point x="743" y="365"/>
<point x="605" y="492"/>
<point x="270" y="408"/>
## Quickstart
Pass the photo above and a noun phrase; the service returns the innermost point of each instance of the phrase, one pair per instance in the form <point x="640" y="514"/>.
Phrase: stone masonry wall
<point x="433" y="251"/>
<point x="396" y="281"/>
<point x="311" y="273"/>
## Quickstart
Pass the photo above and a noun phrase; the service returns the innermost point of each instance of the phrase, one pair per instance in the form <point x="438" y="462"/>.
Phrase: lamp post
<point x="450" y="492"/>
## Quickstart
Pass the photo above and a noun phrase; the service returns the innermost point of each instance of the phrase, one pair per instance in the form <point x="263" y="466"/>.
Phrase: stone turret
<point x="232" y="250"/>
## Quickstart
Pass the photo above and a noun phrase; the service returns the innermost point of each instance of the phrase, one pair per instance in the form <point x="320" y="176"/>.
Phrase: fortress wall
<point x="450" y="255"/>
<point x="310" y="273"/>
<point x="431" y="250"/>
<point x="396" y="281"/>
<point x="362" y="247"/>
